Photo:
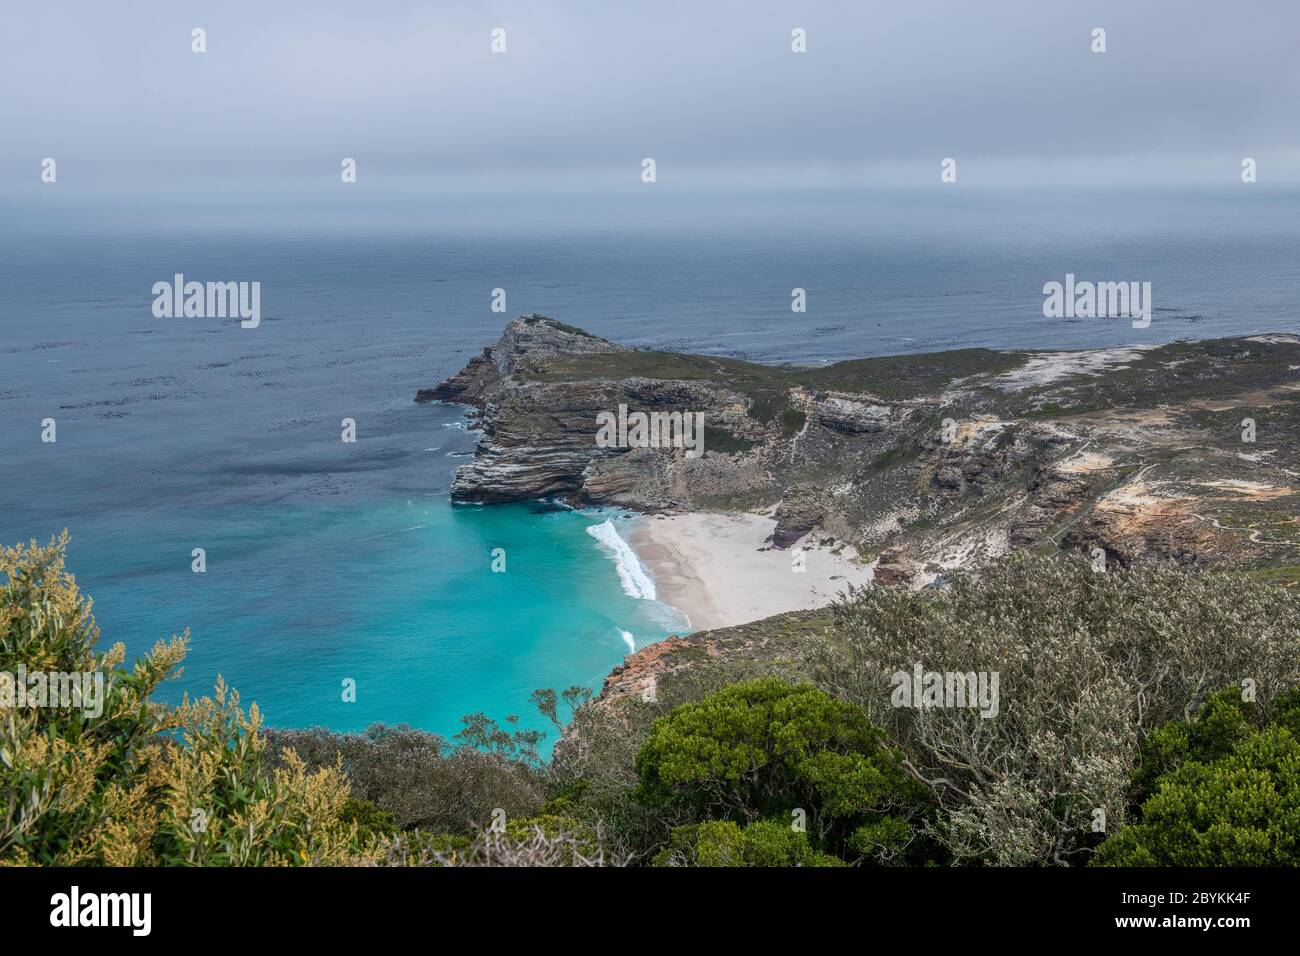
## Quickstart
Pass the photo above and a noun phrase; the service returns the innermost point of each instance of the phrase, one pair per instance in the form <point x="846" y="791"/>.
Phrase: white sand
<point x="709" y="566"/>
<point x="1043" y="368"/>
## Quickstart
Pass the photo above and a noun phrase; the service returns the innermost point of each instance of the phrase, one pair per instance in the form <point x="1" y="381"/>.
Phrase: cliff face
<point x="539" y="426"/>
<point x="524" y="347"/>
<point x="952" y="457"/>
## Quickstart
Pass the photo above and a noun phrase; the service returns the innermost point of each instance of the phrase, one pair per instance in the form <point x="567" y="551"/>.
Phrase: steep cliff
<point x="950" y="457"/>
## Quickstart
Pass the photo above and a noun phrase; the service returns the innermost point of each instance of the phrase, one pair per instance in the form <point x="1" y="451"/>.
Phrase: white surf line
<point x="631" y="573"/>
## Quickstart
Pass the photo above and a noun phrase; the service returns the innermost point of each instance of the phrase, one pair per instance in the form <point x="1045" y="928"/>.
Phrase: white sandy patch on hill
<point x="1085" y="461"/>
<point x="1136" y="494"/>
<point x="1250" y="489"/>
<point x="1043" y="368"/>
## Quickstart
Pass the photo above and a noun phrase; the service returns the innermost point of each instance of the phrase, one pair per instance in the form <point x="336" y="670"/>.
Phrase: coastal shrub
<point x="424" y="780"/>
<point x="770" y="405"/>
<point x="722" y="440"/>
<point x="111" y="777"/>
<point x="371" y="822"/>
<point x="542" y="840"/>
<point x="724" y="843"/>
<point x="767" y="404"/>
<point x="1224" y="792"/>
<point x="221" y="807"/>
<point x="547" y="702"/>
<point x="1088" y="664"/>
<point x="593" y="768"/>
<point x="765" y="749"/>
<point x="793" y="421"/>
<point x="593" y="775"/>
<point x="1223" y="722"/>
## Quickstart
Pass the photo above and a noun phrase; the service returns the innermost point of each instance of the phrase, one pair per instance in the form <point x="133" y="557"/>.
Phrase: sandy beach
<point x="713" y="568"/>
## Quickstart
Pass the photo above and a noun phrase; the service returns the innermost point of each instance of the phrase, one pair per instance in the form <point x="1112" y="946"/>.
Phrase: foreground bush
<point x="766" y="750"/>
<point x="1088" y="663"/>
<point x="425" y="781"/>
<point x="1099" y="678"/>
<point x="130" y="781"/>
<point x="543" y="840"/>
<point x="723" y="843"/>
<point x="1229" y="793"/>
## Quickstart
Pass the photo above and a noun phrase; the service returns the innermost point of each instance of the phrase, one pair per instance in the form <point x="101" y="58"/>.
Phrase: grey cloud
<point x="711" y="90"/>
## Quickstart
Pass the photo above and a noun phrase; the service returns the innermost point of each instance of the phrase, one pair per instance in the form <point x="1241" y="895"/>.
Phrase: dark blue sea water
<point x="329" y="561"/>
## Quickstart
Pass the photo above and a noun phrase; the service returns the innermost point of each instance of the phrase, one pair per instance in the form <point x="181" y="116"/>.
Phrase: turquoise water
<point x="399" y="596"/>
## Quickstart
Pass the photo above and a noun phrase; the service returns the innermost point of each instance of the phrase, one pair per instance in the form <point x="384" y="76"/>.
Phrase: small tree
<point x="767" y="750"/>
<point x="724" y="843"/>
<point x="1229" y="794"/>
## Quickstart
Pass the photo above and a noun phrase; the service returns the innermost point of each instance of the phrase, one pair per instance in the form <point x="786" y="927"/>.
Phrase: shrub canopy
<point x="139" y="783"/>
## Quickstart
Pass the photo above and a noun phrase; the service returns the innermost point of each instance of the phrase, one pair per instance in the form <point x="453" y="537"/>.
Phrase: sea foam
<point x="631" y="574"/>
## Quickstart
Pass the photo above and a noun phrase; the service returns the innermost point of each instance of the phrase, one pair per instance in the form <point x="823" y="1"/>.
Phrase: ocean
<point x="328" y="561"/>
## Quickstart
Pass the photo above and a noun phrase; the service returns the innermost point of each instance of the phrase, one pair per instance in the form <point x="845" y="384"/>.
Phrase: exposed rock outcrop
<point x="640" y="669"/>
<point x="848" y="415"/>
<point x="801" y="510"/>
<point x="955" y="456"/>
<point x="894" y="567"/>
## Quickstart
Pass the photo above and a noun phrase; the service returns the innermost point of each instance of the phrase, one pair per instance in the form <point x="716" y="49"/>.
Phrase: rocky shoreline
<point x="917" y="464"/>
<point x="949" y="458"/>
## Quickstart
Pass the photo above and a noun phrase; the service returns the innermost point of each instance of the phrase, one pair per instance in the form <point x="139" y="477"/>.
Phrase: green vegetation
<point x="766" y="750"/>
<point x="792" y="421"/>
<point x="774" y="744"/>
<point x="1219" y="790"/>
<point x="907" y="376"/>
<point x="719" y="439"/>
<point x="723" y="843"/>
<point x="768" y="405"/>
<point x="140" y="783"/>
<point x="1090" y="665"/>
<point x="424" y="781"/>
<point x="371" y="822"/>
<point x="890" y="377"/>
<point x="1287" y="575"/>
<point x="1177" y="373"/>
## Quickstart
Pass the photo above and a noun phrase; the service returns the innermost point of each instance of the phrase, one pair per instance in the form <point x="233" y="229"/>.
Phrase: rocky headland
<point x="920" y="464"/>
<point x="950" y="456"/>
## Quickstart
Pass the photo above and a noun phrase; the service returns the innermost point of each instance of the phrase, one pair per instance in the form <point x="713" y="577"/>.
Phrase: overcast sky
<point x="709" y="88"/>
